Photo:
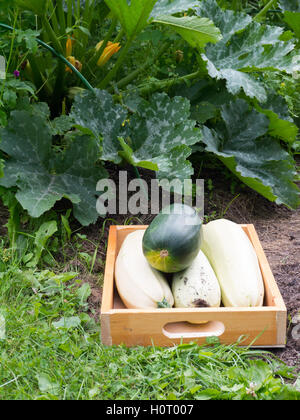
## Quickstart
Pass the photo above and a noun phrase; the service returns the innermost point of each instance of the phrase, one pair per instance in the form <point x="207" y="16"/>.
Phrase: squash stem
<point x="163" y="304"/>
<point x="264" y="10"/>
<point x="132" y="76"/>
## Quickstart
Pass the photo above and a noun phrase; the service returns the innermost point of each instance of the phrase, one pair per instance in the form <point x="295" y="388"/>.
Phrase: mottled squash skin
<point x="173" y="239"/>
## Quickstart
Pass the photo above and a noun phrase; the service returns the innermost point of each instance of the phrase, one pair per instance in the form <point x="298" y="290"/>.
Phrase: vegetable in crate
<point x="197" y="285"/>
<point x="139" y="285"/>
<point x="235" y="263"/>
<point x="172" y="240"/>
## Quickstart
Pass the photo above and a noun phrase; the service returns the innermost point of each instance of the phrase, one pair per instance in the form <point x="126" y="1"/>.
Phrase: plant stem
<point x="52" y="36"/>
<point x="10" y="52"/>
<point x="264" y="10"/>
<point x="167" y="83"/>
<point x="119" y="36"/>
<point x="69" y="13"/>
<point x="126" y="80"/>
<point x="53" y="17"/>
<point x="117" y="65"/>
<point x="12" y="42"/>
<point x="61" y="17"/>
<point x="41" y="84"/>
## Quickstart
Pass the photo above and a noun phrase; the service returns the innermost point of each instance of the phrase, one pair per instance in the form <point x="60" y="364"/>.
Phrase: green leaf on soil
<point x="46" y="384"/>
<point x="42" y="178"/>
<point x="67" y="322"/>
<point x="259" y="161"/>
<point x="281" y="124"/>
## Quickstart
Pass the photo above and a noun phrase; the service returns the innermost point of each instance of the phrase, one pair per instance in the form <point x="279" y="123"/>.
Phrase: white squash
<point x="138" y="284"/>
<point x="233" y="259"/>
<point x="197" y="285"/>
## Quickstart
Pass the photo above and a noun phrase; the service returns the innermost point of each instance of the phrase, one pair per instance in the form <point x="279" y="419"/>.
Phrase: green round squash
<point x="173" y="239"/>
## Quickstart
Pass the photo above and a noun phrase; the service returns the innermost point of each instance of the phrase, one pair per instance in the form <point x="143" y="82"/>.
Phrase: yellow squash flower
<point x="69" y="45"/>
<point x="75" y="63"/>
<point x="70" y="58"/>
<point x="110" y="49"/>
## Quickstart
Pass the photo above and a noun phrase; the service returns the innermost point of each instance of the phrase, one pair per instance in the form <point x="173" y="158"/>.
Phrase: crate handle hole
<point x="186" y="329"/>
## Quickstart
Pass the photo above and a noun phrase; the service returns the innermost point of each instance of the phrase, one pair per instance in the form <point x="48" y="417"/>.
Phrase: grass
<point x="50" y="348"/>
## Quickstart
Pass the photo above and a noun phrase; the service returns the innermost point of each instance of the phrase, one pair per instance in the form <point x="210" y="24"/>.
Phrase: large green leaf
<point x="195" y="30"/>
<point x="281" y="124"/>
<point x="292" y="5"/>
<point x="170" y="7"/>
<point x="39" y="7"/>
<point x="257" y="47"/>
<point x="259" y="161"/>
<point x="133" y="14"/>
<point x="246" y="47"/>
<point x="180" y="167"/>
<point x="293" y="20"/>
<point x="144" y="133"/>
<point x="291" y="13"/>
<point x="43" y="178"/>
<point x="96" y="113"/>
<point x="228" y="21"/>
<point x="158" y="127"/>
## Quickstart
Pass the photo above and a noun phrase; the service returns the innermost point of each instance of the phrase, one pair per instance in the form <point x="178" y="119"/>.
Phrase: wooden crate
<point x="266" y="325"/>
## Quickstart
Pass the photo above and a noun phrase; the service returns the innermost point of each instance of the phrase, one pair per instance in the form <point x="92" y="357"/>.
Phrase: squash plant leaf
<point x="281" y="125"/>
<point x="157" y="129"/>
<point x="291" y="13"/>
<point x="293" y="20"/>
<point x="246" y="47"/>
<point x="228" y="21"/>
<point x="39" y="7"/>
<point x="41" y="177"/>
<point x="96" y="113"/>
<point x="256" y="159"/>
<point x="170" y="7"/>
<point x="132" y="14"/>
<point x="180" y="168"/>
<point x="144" y="135"/>
<point x="195" y="30"/>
